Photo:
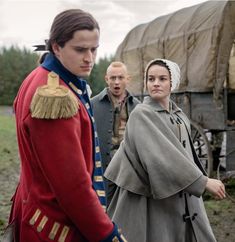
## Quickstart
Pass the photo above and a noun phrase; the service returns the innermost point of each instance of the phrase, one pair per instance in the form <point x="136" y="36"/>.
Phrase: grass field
<point x="8" y="144"/>
<point x="221" y="213"/>
<point x="9" y="162"/>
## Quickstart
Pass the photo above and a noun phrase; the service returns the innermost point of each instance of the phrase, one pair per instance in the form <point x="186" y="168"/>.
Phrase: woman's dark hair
<point x="68" y="22"/>
<point x="159" y="63"/>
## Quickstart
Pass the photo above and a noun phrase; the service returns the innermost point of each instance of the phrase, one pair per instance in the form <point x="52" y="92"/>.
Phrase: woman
<point x="160" y="180"/>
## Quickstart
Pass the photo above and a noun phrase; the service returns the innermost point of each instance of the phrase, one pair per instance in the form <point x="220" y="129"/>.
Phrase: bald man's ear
<point x="129" y="78"/>
<point x="106" y="79"/>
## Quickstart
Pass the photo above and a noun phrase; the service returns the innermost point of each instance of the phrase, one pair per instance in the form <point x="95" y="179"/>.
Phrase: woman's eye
<point x="150" y="79"/>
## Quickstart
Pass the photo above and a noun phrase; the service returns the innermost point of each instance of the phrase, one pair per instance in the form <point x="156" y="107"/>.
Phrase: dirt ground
<point x="221" y="213"/>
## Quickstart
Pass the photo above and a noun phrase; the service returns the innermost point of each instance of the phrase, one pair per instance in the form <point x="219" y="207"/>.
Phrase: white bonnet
<point x="174" y="71"/>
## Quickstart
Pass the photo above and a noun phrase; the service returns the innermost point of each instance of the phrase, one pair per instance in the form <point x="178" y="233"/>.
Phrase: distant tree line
<point x="96" y="79"/>
<point x="16" y="63"/>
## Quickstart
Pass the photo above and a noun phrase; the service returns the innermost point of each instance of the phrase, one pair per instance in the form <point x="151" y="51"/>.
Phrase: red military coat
<point x="55" y="200"/>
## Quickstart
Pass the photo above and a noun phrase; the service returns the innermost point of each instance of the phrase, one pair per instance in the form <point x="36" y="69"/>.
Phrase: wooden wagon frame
<point x="201" y="40"/>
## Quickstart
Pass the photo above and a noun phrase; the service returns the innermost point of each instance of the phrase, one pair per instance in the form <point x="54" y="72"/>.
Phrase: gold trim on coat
<point x="42" y="223"/>
<point x="101" y="193"/>
<point x="98" y="163"/>
<point x="63" y="234"/>
<point x="34" y="218"/>
<point x="54" y="231"/>
<point x="98" y="178"/>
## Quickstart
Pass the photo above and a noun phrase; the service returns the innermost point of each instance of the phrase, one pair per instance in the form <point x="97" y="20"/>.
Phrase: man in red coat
<point x="60" y="196"/>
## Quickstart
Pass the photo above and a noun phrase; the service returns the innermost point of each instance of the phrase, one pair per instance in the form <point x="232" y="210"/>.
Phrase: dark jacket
<point x="103" y="114"/>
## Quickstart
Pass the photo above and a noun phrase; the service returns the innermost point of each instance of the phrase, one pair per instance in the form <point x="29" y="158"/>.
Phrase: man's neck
<point x="117" y="99"/>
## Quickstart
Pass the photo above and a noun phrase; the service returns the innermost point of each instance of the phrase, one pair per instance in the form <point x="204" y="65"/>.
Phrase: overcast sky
<point x="26" y="23"/>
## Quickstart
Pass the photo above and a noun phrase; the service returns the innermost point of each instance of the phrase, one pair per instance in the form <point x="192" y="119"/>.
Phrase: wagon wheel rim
<point x="202" y="146"/>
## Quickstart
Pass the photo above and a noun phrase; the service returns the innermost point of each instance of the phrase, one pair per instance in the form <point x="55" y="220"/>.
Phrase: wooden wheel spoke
<point x="194" y="136"/>
<point x="202" y="146"/>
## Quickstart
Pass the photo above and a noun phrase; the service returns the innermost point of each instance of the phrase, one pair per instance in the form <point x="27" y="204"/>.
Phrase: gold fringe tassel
<point x="53" y="101"/>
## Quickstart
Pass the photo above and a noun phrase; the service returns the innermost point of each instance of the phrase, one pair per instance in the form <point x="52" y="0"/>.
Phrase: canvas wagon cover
<point x="198" y="38"/>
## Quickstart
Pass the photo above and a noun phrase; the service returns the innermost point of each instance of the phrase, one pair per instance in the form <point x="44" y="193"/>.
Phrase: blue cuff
<point x="115" y="236"/>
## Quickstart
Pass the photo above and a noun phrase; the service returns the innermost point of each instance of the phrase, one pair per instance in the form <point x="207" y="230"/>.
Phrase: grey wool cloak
<point x="159" y="186"/>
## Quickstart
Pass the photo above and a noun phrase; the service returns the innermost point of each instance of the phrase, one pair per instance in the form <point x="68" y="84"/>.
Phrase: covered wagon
<point x="201" y="40"/>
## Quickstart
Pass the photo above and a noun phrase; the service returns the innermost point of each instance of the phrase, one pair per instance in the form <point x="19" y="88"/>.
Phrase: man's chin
<point x="84" y="74"/>
<point x="116" y="94"/>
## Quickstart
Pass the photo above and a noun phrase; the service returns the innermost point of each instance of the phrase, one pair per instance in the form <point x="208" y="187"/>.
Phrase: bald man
<point x="111" y="108"/>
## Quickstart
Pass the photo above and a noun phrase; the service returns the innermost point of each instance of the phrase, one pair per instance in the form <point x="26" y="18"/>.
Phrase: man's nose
<point x="117" y="79"/>
<point x="88" y="56"/>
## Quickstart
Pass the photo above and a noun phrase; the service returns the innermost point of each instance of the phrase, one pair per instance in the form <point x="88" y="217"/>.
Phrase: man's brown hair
<point x="68" y="22"/>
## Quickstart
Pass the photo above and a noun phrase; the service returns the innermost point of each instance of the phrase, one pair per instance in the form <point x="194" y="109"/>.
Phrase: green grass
<point x="9" y="162"/>
<point x="218" y="206"/>
<point x="8" y="142"/>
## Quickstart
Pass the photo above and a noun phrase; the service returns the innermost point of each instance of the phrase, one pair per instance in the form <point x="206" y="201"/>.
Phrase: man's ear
<point x="129" y="78"/>
<point x="55" y="48"/>
<point x="106" y="79"/>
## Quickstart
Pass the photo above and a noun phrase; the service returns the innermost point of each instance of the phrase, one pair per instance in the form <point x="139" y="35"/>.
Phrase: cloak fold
<point x="151" y="157"/>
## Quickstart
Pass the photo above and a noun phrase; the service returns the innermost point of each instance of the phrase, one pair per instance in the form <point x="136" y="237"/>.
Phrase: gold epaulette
<point x="53" y="101"/>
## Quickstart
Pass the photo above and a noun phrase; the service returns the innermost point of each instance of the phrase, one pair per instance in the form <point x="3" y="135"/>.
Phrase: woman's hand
<point x="216" y="188"/>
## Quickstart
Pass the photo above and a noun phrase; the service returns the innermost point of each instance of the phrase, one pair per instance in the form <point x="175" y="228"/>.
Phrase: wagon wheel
<point x="202" y="146"/>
